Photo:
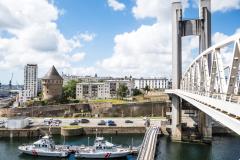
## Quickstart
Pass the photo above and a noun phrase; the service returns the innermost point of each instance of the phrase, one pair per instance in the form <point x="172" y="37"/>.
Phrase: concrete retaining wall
<point x="71" y="131"/>
<point x="36" y="132"/>
<point x="114" y="130"/>
<point x="102" y="109"/>
<point x="19" y="133"/>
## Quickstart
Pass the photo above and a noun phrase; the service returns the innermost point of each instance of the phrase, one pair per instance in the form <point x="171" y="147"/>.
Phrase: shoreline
<point x="80" y="131"/>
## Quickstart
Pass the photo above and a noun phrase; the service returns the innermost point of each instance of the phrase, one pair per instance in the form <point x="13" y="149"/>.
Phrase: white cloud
<point x="222" y="5"/>
<point x="116" y="5"/>
<point x="137" y="53"/>
<point x="159" y="9"/>
<point x="146" y="51"/>
<point x="152" y="9"/>
<point x="80" y="70"/>
<point x="87" y="37"/>
<point x="35" y="37"/>
<point x="226" y="52"/>
<point x="225" y="5"/>
<point x="78" y="57"/>
<point x="218" y="37"/>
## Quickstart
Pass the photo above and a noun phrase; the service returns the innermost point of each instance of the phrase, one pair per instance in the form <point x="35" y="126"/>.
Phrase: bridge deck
<point x="147" y="151"/>
<point x="226" y="113"/>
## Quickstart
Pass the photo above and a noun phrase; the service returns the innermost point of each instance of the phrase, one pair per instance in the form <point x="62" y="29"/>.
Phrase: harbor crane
<point x="10" y="82"/>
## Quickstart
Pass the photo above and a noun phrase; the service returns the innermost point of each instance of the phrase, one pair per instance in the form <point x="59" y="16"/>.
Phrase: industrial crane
<point x="10" y="82"/>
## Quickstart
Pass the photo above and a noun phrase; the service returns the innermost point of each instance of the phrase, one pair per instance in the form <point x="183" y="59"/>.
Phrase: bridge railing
<point x="206" y="74"/>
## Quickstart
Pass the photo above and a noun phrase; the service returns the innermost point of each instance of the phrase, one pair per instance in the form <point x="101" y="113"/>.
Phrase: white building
<point x="30" y="78"/>
<point x="24" y="96"/>
<point x="17" y="123"/>
<point x="153" y="83"/>
<point x="103" y="90"/>
<point x="83" y="79"/>
<point x="92" y="91"/>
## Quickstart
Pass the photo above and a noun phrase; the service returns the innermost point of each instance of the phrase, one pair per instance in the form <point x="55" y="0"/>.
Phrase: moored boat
<point x="43" y="147"/>
<point x="102" y="149"/>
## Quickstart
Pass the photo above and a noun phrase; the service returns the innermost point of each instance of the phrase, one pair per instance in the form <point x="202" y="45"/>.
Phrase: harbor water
<point x="222" y="148"/>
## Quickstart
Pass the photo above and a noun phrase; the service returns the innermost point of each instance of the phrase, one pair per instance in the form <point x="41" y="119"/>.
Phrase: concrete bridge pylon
<point x="200" y="27"/>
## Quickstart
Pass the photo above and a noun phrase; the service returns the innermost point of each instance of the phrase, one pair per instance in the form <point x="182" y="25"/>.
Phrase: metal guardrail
<point x="226" y="113"/>
<point x="147" y="151"/>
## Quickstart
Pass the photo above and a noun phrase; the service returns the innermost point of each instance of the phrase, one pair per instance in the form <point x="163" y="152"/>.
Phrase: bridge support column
<point x="176" y="119"/>
<point x="205" y="127"/>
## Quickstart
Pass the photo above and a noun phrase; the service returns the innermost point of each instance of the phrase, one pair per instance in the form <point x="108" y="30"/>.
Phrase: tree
<point x="147" y="89"/>
<point x="136" y="92"/>
<point x="122" y="91"/>
<point x="69" y="90"/>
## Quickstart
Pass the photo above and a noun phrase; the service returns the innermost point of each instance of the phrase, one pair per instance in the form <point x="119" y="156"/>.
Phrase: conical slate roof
<point x="52" y="74"/>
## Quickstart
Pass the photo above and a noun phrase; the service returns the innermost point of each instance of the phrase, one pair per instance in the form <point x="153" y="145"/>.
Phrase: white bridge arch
<point x="210" y="89"/>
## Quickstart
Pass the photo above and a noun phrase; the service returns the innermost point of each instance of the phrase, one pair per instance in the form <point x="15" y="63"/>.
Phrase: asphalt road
<point x="93" y="122"/>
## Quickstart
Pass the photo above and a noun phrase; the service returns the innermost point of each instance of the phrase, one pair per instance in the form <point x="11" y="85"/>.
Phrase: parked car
<point x="84" y="121"/>
<point x="56" y="121"/>
<point x="54" y="124"/>
<point x="128" y="121"/>
<point x="46" y="120"/>
<point x="74" y="123"/>
<point x="30" y="121"/>
<point x="102" y="122"/>
<point x="2" y="121"/>
<point x="111" y="123"/>
<point x="2" y="124"/>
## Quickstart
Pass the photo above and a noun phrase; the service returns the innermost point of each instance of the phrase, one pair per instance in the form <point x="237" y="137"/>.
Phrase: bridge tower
<point x="182" y="27"/>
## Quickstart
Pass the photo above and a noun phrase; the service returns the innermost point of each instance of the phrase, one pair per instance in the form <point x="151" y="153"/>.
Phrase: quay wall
<point x="36" y="132"/>
<point x="19" y="133"/>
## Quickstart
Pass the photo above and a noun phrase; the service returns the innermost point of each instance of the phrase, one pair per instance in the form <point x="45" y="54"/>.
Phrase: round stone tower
<point x="52" y="84"/>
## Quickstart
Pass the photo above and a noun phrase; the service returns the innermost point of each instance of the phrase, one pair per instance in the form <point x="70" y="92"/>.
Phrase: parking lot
<point x="93" y="122"/>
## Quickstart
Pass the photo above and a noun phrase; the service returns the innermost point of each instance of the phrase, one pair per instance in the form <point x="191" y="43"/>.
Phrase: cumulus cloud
<point x="116" y="5"/>
<point x="35" y="37"/>
<point x="225" y="5"/>
<point x="80" y="70"/>
<point x="222" y="5"/>
<point x="87" y="37"/>
<point x="226" y="52"/>
<point x="78" y="57"/>
<point x="147" y="51"/>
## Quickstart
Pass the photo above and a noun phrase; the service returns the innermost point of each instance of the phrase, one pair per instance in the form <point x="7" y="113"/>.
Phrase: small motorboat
<point x="44" y="147"/>
<point x="102" y="149"/>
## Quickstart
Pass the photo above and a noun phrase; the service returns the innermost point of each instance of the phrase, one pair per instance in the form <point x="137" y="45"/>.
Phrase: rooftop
<point x="52" y="74"/>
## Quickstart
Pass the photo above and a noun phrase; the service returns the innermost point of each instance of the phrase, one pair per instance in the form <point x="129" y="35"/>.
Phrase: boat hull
<point x="102" y="155"/>
<point x="43" y="153"/>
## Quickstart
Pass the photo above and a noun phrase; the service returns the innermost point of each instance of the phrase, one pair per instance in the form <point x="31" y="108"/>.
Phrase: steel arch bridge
<point x="214" y="91"/>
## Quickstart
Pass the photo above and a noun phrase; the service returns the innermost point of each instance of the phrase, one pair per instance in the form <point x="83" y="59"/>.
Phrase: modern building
<point x="30" y="79"/>
<point x="24" y="96"/>
<point x="104" y="90"/>
<point x="39" y="90"/>
<point x="92" y="91"/>
<point x="52" y="84"/>
<point x="114" y="85"/>
<point x="152" y="83"/>
<point x="84" y="79"/>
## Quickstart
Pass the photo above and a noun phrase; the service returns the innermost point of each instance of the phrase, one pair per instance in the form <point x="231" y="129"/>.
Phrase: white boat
<point x="102" y="149"/>
<point x="43" y="147"/>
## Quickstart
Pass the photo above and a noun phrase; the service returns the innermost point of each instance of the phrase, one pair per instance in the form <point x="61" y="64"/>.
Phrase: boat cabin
<point x="45" y="142"/>
<point x="101" y="144"/>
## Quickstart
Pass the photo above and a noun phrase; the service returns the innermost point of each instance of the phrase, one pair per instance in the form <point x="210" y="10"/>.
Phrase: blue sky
<point x="133" y="39"/>
<point x="95" y="16"/>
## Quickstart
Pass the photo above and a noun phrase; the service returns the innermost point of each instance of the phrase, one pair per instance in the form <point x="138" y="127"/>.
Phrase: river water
<point x="222" y="148"/>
